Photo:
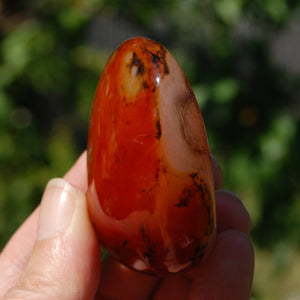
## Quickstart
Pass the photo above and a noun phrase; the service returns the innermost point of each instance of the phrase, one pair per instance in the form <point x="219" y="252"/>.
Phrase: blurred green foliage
<point x="49" y="70"/>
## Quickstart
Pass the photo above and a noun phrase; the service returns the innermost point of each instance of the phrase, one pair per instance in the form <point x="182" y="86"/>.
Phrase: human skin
<point x="226" y="273"/>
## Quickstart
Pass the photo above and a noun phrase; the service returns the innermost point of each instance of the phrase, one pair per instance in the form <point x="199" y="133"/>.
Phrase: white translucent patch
<point x="177" y="268"/>
<point x="139" y="265"/>
<point x="134" y="70"/>
<point x="183" y="131"/>
<point x="107" y="89"/>
<point x="128" y="57"/>
<point x="157" y="80"/>
<point x="185" y="241"/>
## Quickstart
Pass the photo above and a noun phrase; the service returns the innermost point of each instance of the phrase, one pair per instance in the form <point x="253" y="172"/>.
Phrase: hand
<point x="55" y="254"/>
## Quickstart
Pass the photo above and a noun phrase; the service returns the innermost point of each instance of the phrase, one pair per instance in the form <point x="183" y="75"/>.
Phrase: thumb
<point x="66" y="260"/>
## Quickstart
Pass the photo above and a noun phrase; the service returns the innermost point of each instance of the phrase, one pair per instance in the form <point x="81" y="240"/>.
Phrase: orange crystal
<point x="151" y="191"/>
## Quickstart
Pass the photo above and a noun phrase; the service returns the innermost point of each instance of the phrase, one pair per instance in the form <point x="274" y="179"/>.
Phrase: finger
<point x="14" y="257"/>
<point x="66" y="252"/>
<point x="175" y="287"/>
<point x="119" y="282"/>
<point x="228" y="271"/>
<point x="231" y="213"/>
<point x="77" y="175"/>
<point x="218" y="177"/>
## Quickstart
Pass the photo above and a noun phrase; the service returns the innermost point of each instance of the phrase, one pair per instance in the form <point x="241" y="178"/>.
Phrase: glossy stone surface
<point x="151" y="191"/>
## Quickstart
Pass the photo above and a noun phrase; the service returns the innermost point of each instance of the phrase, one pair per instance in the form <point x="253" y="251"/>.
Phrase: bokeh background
<point x="242" y="58"/>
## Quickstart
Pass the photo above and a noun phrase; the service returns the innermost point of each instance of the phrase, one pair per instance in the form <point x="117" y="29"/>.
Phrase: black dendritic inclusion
<point x="185" y="197"/>
<point x="159" y="58"/>
<point x="145" y="85"/>
<point x="200" y="185"/>
<point x="206" y="197"/>
<point x="138" y="63"/>
<point x="158" y="128"/>
<point x="149" y="190"/>
<point x="199" y="253"/>
<point x="190" y="191"/>
<point x="150" y="252"/>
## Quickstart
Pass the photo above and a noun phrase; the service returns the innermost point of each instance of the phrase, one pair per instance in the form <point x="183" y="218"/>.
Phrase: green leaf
<point x="224" y="90"/>
<point x="276" y="9"/>
<point x="229" y="10"/>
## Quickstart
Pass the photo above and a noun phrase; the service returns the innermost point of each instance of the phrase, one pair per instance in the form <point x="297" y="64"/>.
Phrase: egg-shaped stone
<point x="151" y="190"/>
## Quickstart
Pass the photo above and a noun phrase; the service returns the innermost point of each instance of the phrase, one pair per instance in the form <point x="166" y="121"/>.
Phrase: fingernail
<point x="57" y="208"/>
